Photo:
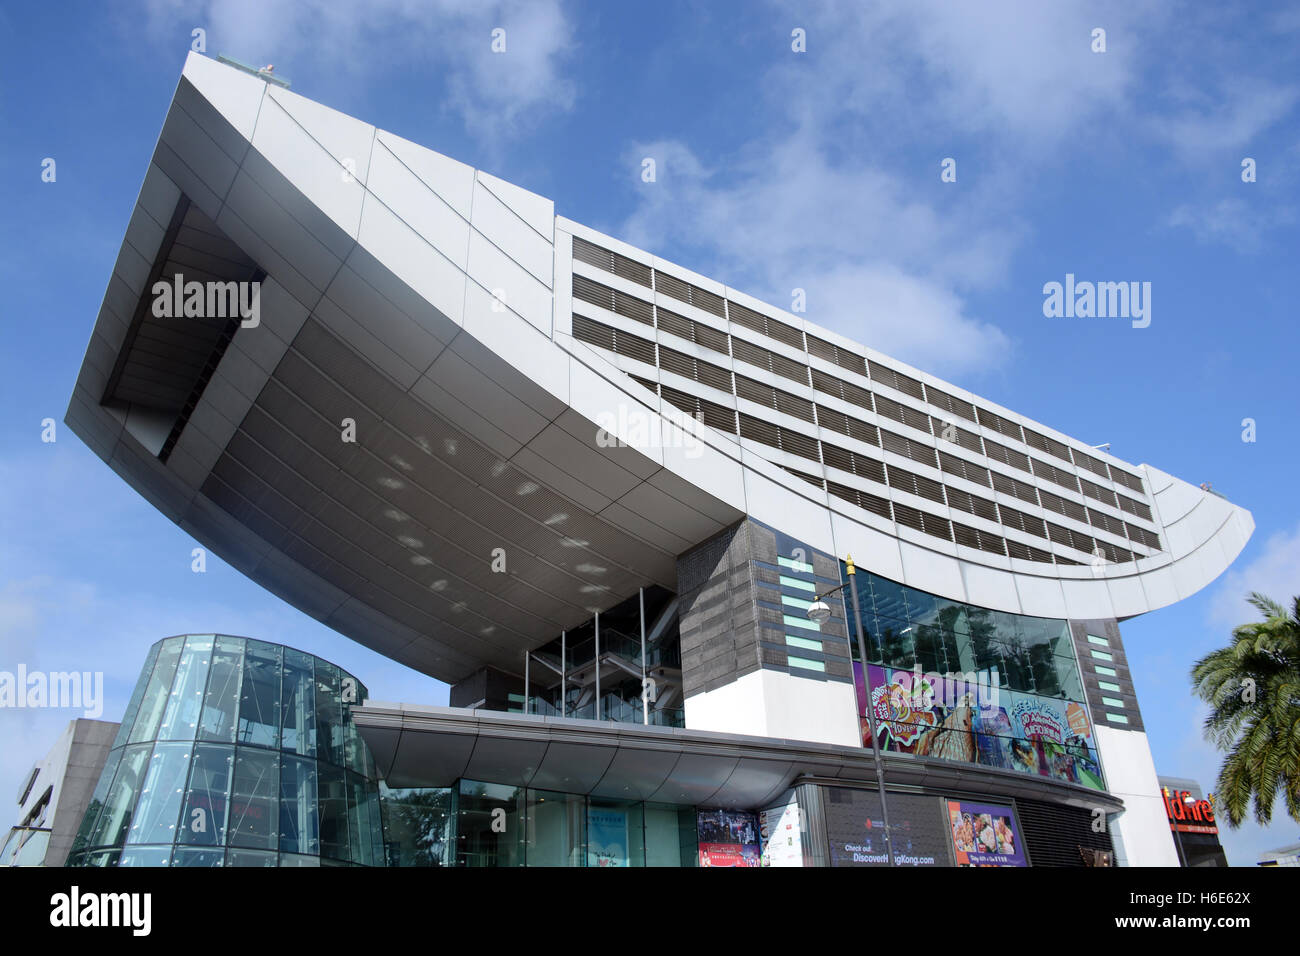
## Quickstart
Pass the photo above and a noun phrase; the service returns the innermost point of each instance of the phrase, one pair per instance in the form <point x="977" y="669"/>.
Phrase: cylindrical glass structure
<point x="235" y="752"/>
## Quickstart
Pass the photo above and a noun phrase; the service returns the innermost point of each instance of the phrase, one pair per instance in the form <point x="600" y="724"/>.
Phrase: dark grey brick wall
<point x="722" y="633"/>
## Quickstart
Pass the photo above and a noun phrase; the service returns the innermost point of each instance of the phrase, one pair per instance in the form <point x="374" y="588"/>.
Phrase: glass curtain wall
<point x="235" y="752"/>
<point x="478" y="824"/>
<point x="949" y="680"/>
<point x="620" y="666"/>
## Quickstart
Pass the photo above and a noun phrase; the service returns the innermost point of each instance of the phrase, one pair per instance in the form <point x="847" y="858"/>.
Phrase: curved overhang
<point x="502" y="481"/>
<point x="437" y="746"/>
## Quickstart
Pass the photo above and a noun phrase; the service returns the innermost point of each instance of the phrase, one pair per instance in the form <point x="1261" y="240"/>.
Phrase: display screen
<point x="855" y="829"/>
<point x="984" y="835"/>
<point x="728" y="838"/>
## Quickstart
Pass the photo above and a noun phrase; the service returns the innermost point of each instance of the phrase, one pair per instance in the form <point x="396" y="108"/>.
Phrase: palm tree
<point x="1253" y="689"/>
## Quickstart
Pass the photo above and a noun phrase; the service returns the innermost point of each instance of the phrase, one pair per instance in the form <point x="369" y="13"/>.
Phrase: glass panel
<point x="333" y="811"/>
<point x="203" y="819"/>
<point x="897" y="642"/>
<point x="488" y="825"/>
<point x="298" y="705"/>
<point x="554" y="829"/>
<point x="1046" y="677"/>
<point x="100" y="859"/>
<point x="154" y="701"/>
<point x="329" y="714"/>
<point x="360" y="844"/>
<point x="259" y="699"/>
<point x="354" y="748"/>
<point x="254" y="814"/>
<point x="296" y="859"/>
<point x="96" y="805"/>
<point x="417" y="826"/>
<point x="221" y="702"/>
<point x="887" y="599"/>
<point x="181" y="721"/>
<point x="160" y="798"/>
<point x="145" y="856"/>
<point x="667" y="830"/>
<point x="929" y="648"/>
<point x="250" y="858"/>
<point x="299" y="824"/>
<point x="184" y="856"/>
<point x="110" y="830"/>
<point x="133" y="705"/>
<point x="615" y="834"/>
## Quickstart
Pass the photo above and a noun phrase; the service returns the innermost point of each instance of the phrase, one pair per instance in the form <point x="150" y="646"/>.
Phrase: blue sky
<point x="776" y="170"/>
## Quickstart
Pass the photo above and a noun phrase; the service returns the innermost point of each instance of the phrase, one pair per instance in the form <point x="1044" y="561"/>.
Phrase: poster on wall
<point x="968" y="718"/>
<point x="925" y="714"/>
<point x="728" y="838"/>
<point x="1055" y="739"/>
<point x="855" y="829"/>
<point x="782" y="839"/>
<point x="984" y="835"/>
<point x="607" y="837"/>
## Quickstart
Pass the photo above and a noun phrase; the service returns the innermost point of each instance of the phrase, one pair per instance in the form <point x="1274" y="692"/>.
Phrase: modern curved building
<point x="577" y="481"/>
<point x="235" y="752"/>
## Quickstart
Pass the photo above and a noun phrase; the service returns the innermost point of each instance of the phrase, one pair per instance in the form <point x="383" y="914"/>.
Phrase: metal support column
<point x="528" y="659"/>
<point x="871" y="720"/>
<point x="598" y="716"/>
<point x="564" y="670"/>
<point x="645" y="700"/>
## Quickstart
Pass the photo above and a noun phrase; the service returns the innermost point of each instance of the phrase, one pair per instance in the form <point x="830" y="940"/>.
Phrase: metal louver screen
<point x="593" y="292"/>
<point x="1121" y="477"/>
<point x="1054" y="833"/>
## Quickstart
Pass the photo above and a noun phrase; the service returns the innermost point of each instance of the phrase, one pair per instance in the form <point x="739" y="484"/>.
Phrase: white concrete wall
<point x="772" y="704"/>
<point x="1131" y="776"/>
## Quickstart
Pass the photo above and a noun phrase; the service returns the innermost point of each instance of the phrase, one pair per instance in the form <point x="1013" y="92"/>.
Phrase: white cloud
<point x="1012" y="67"/>
<point x="876" y="263"/>
<point x="1232" y="222"/>
<point x="495" y="94"/>
<point x="1226" y="117"/>
<point x="1276" y="573"/>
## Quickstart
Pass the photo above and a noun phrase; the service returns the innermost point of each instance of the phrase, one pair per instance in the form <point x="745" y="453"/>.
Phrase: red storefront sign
<point x="1197" y="817"/>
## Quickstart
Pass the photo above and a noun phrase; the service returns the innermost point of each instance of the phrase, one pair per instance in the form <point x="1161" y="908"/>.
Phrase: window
<point x="1107" y="671"/>
<point x="1094" y="639"/>
<point x="803" y="642"/>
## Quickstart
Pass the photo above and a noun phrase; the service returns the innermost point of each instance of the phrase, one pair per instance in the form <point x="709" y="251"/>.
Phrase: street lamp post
<point x="820" y="611"/>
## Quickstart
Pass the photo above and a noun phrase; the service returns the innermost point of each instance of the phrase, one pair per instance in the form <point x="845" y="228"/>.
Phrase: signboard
<point x="607" y="837"/>
<point x="728" y="838"/>
<point x="779" y="829"/>
<point x="970" y="719"/>
<point x="984" y="835"/>
<point x="855" y="829"/>
<point x="1196" y="817"/>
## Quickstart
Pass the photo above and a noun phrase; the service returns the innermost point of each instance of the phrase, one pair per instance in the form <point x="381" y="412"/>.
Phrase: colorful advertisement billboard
<point x="728" y="838"/>
<point x="969" y="718"/>
<point x="984" y="835"/>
